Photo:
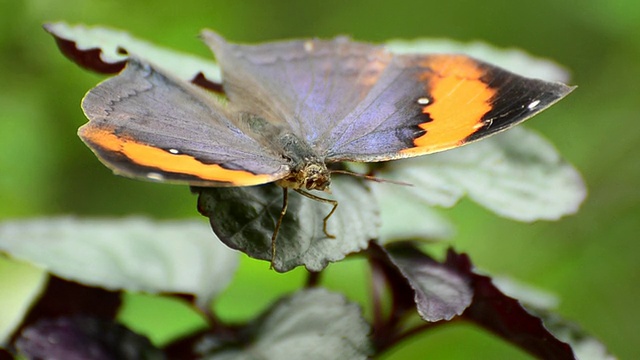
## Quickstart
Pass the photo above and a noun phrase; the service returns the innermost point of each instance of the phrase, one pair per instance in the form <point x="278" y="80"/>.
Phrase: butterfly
<point x="292" y="109"/>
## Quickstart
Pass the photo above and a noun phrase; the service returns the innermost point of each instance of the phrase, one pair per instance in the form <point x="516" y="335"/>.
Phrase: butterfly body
<point x="306" y="168"/>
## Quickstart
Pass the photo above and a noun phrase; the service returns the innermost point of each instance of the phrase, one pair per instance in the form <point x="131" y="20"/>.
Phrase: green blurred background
<point x="589" y="260"/>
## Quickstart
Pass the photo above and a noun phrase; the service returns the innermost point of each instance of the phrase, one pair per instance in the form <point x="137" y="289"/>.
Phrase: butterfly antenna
<point x="371" y="177"/>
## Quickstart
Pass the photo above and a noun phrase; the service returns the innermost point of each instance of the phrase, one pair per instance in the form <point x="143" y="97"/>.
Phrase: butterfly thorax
<point x="308" y="170"/>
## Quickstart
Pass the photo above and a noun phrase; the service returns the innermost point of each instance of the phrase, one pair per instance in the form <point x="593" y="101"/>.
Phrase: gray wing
<point x="423" y="104"/>
<point x="309" y="86"/>
<point x="357" y="102"/>
<point x="145" y="124"/>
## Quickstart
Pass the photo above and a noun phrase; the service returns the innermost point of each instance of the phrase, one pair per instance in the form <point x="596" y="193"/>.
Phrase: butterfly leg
<point x="274" y="237"/>
<point x="326" y="201"/>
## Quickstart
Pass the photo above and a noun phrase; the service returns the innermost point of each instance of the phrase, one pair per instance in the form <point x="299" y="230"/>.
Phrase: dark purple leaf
<point x="185" y="348"/>
<point x="67" y="298"/>
<point x="81" y="338"/>
<point x="105" y="51"/>
<point x="440" y="292"/>
<point x="205" y="83"/>
<point x="505" y="317"/>
<point x="401" y="291"/>
<point x="385" y="274"/>
<point x="584" y="345"/>
<point x="89" y="58"/>
<point x="5" y="355"/>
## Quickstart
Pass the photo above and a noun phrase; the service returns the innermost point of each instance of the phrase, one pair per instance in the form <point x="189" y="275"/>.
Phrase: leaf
<point x="67" y="298"/>
<point x="585" y="346"/>
<point x="504" y="315"/>
<point x="97" y="48"/>
<point x="83" y="338"/>
<point x="440" y="292"/>
<point x="528" y="295"/>
<point x="311" y="324"/>
<point x="402" y="217"/>
<point x="244" y="218"/>
<point x="516" y="174"/>
<point x="21" y="285"/>
<point x="5" y="355"/>
<point x="106" y="50"/>
<point x="514" y="60"/>
<point x="135" y="254"/>
<point x="541" y="303"/>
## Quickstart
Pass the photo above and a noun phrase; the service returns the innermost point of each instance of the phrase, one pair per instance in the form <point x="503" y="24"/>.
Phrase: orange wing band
<point x="459" y="100"/>
<point x="146" y="155"/>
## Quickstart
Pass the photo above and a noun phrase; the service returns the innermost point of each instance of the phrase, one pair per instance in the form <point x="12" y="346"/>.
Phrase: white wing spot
<point x="174" y="151"/>
<point x="308" y="46"/>
<point x="486" y="124"/>
<point x="533" y="104"/>
<point x="423" y="101"/>
<point x="155" y="176"/>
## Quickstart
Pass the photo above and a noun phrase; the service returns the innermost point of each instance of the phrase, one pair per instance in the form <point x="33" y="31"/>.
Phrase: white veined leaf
<point x="405" y="218"/>
<point x="111" y="41"/>
<point x="516" y="174"/>
<point x="311" y="324"/>
<point x="514" y="60"/>
<point x="133" y="254"/>
<point x="21" y="285"/>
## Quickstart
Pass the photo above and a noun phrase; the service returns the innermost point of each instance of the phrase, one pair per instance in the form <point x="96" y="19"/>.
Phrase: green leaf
<point x="134" y="254"/>
<point x="110" y="42"/>
<point x="244" y="218"/>
<point x="21" y="285"/>
<point x="311" y="324"/>
<point x="516" y="174"/>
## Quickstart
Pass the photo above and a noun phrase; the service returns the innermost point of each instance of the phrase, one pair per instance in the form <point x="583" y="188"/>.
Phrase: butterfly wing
<point x="145" y="124"/>
<point x="423" y="104"/>
<point x="358" y="102"/>
<point x="307" y="85"/>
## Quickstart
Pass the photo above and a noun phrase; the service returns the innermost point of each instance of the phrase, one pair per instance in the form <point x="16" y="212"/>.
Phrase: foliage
<point x="312" y="318"/>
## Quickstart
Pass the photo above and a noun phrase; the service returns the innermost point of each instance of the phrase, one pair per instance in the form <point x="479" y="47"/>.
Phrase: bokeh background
<point x="589" y="260"/>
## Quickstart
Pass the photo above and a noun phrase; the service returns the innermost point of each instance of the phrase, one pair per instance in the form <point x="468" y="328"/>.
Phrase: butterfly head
<point x="312" y="175"/>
